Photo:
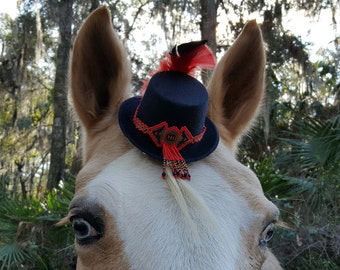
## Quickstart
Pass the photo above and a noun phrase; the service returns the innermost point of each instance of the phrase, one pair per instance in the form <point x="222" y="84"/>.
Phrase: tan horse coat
<point x="124" y="215"/>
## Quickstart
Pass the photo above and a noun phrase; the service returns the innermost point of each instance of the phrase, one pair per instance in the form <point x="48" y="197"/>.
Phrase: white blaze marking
<point x="152" y="226"/>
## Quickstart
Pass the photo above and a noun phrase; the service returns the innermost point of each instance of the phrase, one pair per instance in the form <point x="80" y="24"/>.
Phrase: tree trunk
<point x="268" y="35"/>
<point x="58" y="136"/>
<point x="208" y="28"/>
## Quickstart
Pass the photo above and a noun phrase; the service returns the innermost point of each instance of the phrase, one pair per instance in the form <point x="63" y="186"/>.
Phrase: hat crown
<point x="175" y="98"/>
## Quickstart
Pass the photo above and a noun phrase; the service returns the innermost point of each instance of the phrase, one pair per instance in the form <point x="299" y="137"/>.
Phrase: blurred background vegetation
<point x="294" y="148"/>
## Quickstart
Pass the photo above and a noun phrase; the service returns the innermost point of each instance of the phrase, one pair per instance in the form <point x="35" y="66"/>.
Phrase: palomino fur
<point x="213" y="221"/>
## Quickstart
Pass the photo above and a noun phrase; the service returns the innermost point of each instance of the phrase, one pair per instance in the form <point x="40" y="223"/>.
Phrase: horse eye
<point x="267" y="234"/>
<point x="85" y="232"/>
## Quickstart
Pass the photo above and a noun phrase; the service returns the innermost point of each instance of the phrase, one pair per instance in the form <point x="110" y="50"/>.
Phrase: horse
<point x="124" y="215"/>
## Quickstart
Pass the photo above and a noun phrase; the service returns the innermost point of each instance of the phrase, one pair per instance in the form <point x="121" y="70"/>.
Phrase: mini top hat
<point x="169" y="122"/>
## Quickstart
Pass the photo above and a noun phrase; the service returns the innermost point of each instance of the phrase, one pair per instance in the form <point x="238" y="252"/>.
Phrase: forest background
<point x="294" y="148"/>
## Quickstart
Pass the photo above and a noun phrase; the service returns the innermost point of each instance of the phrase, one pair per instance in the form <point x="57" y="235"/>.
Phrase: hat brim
<point x="190" y="153"/>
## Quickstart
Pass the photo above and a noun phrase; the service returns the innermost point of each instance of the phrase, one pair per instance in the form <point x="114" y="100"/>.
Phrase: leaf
<point x="11" y="255"/>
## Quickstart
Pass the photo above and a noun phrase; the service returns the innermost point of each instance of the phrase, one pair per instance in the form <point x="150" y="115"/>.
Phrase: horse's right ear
<point x="100" y="71"/>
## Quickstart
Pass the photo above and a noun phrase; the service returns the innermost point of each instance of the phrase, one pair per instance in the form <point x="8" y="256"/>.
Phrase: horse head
<point x="125" y="216"/>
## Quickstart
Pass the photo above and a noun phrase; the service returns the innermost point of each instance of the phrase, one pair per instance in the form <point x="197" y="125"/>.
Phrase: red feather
<point x="186" y="58"/>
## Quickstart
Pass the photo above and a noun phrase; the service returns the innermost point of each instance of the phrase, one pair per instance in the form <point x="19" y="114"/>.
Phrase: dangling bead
<point x="185" y="175"/>
<point x="163" y="171"/>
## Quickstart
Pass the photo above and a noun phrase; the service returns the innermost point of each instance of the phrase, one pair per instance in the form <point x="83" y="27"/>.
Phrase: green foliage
<point x="276" y="185"/>
<point x="29" y="236"/>
<point x="11" y="256"/>
<point x="302" y="179"/>
<point x="315" y="148"/>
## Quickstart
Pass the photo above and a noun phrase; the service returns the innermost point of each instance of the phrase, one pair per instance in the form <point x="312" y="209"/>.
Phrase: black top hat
<point x="169" y="122"/>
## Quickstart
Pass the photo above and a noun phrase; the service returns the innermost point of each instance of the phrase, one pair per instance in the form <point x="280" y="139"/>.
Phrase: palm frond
<point x="312" y="161"/>
<point x="278" y="186"/>
<point x="12" y="255"/>
<point x="28" y="235"/>
<point x="315" y="144"/>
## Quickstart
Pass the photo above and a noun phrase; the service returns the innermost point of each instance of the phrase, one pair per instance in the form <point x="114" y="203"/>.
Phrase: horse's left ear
<point x="237" y="84"/>
<point x="100" y="72"/>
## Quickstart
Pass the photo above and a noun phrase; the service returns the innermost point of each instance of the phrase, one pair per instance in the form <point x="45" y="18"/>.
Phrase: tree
<point x="209" y="23"/>
<point x="58" y="136"/>
<point x="208" y="28"/>
<point x="25" y="107"/>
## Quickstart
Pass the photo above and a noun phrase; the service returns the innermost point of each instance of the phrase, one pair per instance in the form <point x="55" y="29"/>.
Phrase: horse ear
<point x="236" y="86"/>
<point x="100" y="71"/>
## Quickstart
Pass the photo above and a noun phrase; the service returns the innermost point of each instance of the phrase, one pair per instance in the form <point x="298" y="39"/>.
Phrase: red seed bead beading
<point x="171" y="140"/>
